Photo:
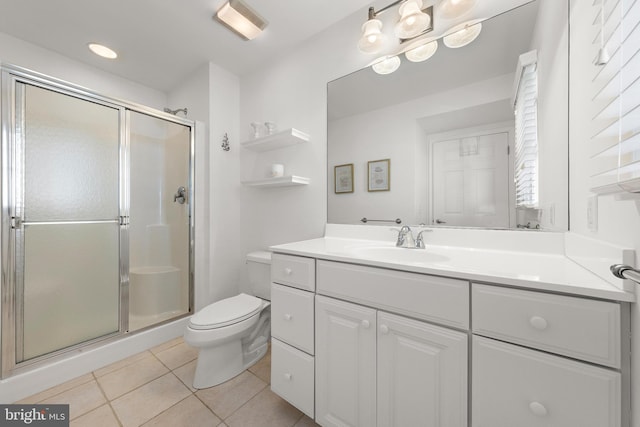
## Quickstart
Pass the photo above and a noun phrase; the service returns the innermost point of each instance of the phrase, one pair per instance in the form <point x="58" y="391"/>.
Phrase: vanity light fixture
<point x="102" y="50"/>
<point x="372" y="40"/>
<point x="421" y="50"/>
<point x="386" y="65"/>
<point x="241" y="19"/>
<point x="463" y="34"/>
<point x="450" y="9"/>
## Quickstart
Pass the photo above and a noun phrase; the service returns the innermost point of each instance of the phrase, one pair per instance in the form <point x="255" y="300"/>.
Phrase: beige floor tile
<point x="186" y="374"/>
<point x="225" y="398"/>
<point x="144" y="403"/>
<point x="306" y="422"/>
<point x="81" y="399"/>
<point x="177" y="355"/>
<point x="266" y="409"/>
<point x="39" y="397"/>
<point x="166" y="345"/>
<point x="121" y="364"/>
<point x="100" y="417"/>
<point x="125" y="379"/>
<point x="262" y="369"/>
<point x="190" y="412"/>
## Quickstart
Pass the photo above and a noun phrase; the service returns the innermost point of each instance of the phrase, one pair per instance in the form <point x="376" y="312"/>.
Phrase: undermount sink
<point x="395" y="254"/>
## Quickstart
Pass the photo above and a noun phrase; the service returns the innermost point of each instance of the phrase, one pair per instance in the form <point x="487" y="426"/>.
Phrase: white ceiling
<point x="160" y="42"/>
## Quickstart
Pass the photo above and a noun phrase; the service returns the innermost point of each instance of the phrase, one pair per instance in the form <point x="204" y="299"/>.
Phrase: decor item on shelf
<point x="378" y="175"/>
<point x="241" y="19"/>
<point x="271" y="127"/>
<point x="343" y="178"/>
<point x="277" y="170"/>
<point x="225" y="142"/>
<point x="257" y="129"/>
<point x="413" y="24"/>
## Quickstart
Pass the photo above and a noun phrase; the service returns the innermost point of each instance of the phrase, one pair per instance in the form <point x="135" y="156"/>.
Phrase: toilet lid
<point x="226" y="312"/>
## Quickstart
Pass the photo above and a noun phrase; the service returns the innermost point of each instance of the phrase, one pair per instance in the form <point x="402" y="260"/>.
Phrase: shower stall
<point x="96" y="218"/>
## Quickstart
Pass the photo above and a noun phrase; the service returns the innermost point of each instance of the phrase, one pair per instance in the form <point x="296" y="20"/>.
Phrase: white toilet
<point x="233" y="334"/>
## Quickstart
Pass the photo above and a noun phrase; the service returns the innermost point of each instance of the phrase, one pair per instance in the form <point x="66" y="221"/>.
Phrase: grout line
<point x="113" y="411"/>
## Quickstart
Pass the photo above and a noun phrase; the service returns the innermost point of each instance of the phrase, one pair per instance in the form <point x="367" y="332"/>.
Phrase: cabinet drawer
<point x="292" y="374"/>
<point x="295" y="271"/>
<point x="515" y="386"/>
<point x="576" y="327"/>
<point x="292" y="316"/>
<point x="436" y="299"/>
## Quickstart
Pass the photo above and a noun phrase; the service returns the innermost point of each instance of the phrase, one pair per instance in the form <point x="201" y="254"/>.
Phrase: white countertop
<point x="535" y="270"/>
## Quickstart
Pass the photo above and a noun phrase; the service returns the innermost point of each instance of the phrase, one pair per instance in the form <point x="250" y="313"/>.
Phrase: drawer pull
<point x="538" y="323"/>
<point x="288" y="377"/>
<point x="384" y="329"/>
<point x="538" y="409"/>
<point x="288" y="317"/>
<point x="288" y="271"/>
<point x="365" y="324"/>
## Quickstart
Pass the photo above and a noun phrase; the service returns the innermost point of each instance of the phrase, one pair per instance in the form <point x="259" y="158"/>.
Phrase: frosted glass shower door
<point x="67" y="199"/>
<point x="159" y="225"/>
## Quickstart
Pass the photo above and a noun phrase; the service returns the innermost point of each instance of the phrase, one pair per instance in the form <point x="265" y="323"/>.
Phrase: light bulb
<point x="463" y="34"/>
<point x="372" y="39"/>
<point x="386" y="64"/>
<point x="413" y="20"/>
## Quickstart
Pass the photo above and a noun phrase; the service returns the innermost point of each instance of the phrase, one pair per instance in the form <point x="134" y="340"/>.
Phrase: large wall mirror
<point x="456" y="131"/>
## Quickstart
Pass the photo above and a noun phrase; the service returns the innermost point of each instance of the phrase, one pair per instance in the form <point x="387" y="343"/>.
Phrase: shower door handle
<point x="180" y="196"/>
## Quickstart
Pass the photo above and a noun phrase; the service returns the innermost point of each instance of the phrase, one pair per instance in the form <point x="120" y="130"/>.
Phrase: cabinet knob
<point x="538" y="409"/>
<point x="538" y="323"/>
<point x="384" y="329"/>
<point x="288" y="377"/>
<point x="365" y="324"/>
<point x="288" y="317"/>
<point x="288" y="271"/>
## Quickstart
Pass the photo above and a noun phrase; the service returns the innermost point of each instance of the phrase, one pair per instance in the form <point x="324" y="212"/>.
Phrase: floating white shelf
<point x="283" y="181"/>
<point x="281" y="139"/>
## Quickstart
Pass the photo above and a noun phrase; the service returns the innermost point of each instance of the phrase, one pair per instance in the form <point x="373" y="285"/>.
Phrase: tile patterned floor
<point x="154" y="388"/>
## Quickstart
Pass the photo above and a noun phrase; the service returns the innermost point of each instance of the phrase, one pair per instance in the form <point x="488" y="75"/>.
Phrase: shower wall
<point x="159" y="226"/>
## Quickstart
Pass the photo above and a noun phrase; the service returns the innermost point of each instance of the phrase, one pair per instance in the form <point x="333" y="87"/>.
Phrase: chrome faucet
<point x="405" y="238"/>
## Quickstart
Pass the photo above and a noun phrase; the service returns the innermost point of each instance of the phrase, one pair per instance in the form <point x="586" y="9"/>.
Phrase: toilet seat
<point x="226" y="312"/>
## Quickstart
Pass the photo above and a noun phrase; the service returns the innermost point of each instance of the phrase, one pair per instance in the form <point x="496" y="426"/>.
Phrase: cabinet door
<point x="422" y="374"/>
<point x="515" y="386"/>
<point x="345" y="364"/>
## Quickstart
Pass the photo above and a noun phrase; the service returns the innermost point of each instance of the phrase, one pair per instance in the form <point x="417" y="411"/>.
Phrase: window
<point x="615" y="138"/>
<point x="526" y="135"/>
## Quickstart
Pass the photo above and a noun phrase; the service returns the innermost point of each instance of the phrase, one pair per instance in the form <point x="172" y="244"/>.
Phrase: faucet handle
<point x="420" y="239"/>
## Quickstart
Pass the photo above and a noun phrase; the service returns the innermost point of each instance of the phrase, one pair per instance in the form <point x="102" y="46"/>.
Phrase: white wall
<point x="618" y="220"/>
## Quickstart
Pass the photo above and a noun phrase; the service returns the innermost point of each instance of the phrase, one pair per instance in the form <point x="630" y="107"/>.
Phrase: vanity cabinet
<point x="292" y="330"/>
<point x="515" y="385"/>
<point x="379" y="368"/>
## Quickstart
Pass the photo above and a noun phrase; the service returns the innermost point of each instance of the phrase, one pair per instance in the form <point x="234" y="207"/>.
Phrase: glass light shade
<point x="413" y="20"/>
<point x="450" y="9"/>
<point x="372" y="39"/>
<point x="462" y="34"/>
<point x="386" y="65"/>
<point x="422" y="51"/>
<point x="102" y="51"/>
<point x="240" y="18"/>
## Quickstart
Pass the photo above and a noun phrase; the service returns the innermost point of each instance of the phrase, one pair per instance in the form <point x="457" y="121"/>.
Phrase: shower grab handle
<point x="180" y="196"/>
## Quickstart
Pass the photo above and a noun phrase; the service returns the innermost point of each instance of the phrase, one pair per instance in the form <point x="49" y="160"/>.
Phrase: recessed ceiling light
<point x="102" y="50"/>
<point x="240" y="18"/>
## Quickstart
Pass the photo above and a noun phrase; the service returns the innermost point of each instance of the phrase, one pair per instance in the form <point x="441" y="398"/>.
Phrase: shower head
<point x="175" y="112"/>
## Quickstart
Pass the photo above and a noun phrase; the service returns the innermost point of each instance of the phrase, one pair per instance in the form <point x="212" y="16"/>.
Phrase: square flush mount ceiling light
<point x="241" y="19"/>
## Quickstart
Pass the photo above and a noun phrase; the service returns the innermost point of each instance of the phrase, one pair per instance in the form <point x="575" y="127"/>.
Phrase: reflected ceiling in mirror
<point x="447" y="127"/>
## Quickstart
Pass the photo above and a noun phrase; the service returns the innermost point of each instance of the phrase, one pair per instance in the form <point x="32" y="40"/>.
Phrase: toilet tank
<point x="259" y="272"/>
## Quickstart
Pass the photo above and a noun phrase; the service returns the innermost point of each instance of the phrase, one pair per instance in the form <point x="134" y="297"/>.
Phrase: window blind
<point x="615" y="133"/>
<point x="526" y="131"/>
